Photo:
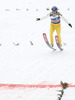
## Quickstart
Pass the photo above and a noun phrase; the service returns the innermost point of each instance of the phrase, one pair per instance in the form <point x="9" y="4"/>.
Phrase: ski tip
<point x="61" y="49"/>
<point x="54" y="49"/>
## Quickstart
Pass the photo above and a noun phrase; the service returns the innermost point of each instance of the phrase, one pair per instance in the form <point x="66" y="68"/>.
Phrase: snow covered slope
<point x="23" y="63"/>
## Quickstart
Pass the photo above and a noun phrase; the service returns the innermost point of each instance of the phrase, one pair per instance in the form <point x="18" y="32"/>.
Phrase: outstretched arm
<point x="66" y="21"/>
<point x="37" y="19"/>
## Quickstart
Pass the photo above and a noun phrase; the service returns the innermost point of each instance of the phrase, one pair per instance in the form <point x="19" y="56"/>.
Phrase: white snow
<point x="33" y="64"/>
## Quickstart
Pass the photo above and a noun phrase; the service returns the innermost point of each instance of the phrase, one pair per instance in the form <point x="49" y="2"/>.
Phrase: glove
<point x="70" y="25"/>
<point x="37" y="19"/>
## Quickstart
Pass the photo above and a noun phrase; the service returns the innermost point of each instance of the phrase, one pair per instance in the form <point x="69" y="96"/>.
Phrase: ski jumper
<point x="55" y="25"/>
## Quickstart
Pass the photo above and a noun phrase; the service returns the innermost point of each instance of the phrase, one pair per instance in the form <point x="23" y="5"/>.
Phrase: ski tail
<point x="57" y="42"/>
<point x="47" y="42"/>
<point x="45" y="37"/>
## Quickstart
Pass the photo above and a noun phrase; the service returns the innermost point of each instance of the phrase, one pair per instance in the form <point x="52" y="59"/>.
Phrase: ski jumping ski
<point x="47" y="42"/>
<point x="57" y="42"/>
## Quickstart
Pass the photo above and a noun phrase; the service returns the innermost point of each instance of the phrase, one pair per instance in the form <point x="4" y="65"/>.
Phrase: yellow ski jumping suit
<point x="55" y="25"/>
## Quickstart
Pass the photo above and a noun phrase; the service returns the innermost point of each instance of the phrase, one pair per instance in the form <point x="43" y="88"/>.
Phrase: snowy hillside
<point x="23" y="63"/>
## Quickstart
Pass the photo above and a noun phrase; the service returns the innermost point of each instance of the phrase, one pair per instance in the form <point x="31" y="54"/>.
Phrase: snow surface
<point x="32" y="64"/>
